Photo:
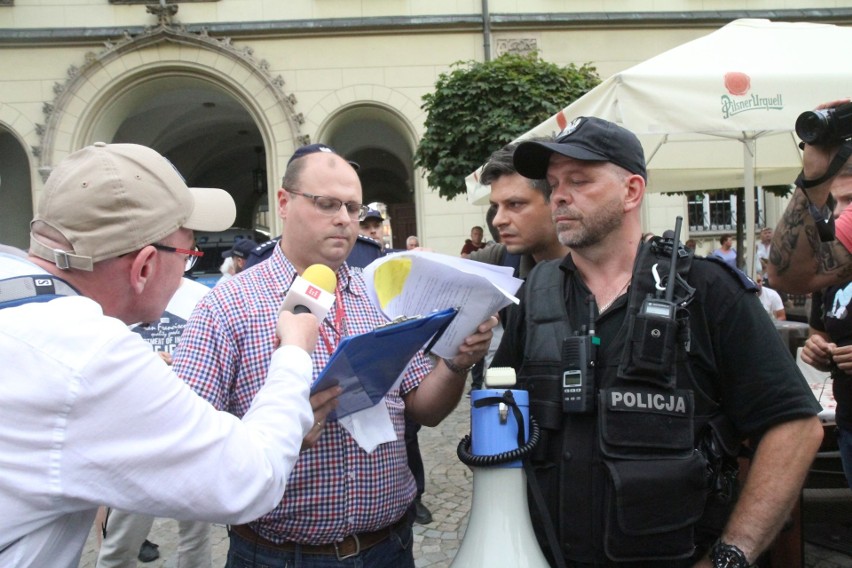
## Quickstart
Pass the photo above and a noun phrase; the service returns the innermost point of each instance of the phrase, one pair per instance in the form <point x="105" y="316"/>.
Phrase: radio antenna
<point x="670" y="285"/>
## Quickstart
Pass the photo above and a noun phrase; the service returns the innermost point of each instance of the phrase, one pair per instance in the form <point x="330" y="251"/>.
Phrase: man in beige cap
<point x="89" y="415"/>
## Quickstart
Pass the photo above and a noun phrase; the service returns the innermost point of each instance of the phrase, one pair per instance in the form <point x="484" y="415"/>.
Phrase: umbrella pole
<point x="749" y="198"/>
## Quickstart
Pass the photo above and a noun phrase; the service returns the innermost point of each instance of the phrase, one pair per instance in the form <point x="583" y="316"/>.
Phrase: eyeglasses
<point x="191" y="258"/>
<point x="331" y="205"/>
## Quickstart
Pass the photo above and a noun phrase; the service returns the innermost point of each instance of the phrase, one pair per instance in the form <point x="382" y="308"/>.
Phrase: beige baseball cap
<point x="111" y="199"/>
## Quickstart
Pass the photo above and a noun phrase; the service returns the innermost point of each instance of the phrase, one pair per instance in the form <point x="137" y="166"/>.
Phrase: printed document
<point x="412" y="283"/>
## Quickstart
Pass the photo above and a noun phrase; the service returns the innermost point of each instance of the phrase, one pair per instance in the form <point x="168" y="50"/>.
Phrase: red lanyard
<point x="337" y="326"/>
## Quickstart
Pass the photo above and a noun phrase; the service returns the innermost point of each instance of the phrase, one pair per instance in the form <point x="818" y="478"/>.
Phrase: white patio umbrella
<point x="719" y="111"/>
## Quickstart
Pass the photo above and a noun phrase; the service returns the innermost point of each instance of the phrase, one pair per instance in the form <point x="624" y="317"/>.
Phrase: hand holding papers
<point x="369" y="365"/>
<point x="418" y="282"/>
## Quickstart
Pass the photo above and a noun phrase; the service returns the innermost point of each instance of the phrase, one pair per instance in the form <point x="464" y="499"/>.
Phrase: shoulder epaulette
<point x="370" y="241"/>
<point x="738" y="274"/>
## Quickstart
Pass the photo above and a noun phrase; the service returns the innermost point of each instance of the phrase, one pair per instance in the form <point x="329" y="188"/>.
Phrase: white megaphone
<point x="499" y="532"/>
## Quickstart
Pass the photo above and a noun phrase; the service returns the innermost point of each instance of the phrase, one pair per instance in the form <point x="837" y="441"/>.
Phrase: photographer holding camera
<point x="804" y="254"/>
<point x="806" y="257"/>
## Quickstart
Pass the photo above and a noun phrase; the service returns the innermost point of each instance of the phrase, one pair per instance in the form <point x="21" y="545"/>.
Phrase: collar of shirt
<point x="576" y="293"/>
<point x="282" y="270"/>
<point x="12" y="266"/>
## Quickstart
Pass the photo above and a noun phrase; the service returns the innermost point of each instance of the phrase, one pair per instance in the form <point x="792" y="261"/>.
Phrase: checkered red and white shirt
<point x="336" y="488"/>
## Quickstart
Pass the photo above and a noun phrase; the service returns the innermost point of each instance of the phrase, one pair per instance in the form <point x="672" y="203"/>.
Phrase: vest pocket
<point x="657" y="484"/>
<point x="652" y="507"/>
<point x="638" y="423"/>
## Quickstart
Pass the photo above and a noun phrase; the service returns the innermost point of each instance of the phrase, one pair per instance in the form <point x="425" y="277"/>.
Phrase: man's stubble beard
<point x="591" y="229"/>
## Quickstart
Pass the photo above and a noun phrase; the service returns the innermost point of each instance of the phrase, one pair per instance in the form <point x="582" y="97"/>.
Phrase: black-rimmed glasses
<point x="192" y="256"/>
<point x="329" y="206"/>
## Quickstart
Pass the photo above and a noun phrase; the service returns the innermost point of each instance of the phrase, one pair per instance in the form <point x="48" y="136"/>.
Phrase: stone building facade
<point x="227" y="89"/>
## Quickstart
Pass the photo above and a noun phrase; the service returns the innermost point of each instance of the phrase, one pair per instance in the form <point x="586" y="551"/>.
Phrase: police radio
<point x="578" y="367"/>
<point x="654" y="333"/>
<point x="655" y="328"/>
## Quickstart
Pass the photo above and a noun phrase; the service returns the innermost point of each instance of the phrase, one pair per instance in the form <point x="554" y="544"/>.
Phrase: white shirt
<point x="771" y="301"/>
<point x="89" y="415"/>
<point x="761" y="252"/>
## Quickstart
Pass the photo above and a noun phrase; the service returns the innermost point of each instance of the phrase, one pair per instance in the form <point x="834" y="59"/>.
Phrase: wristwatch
<point x="728" y="556"/>
<point x="455" y="368"/>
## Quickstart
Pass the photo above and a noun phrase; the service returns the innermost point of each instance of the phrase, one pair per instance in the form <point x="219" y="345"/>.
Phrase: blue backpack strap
<point x="33" y="288"/>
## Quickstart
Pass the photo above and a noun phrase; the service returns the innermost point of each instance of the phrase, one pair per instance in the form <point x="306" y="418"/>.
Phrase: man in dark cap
<point x="371" y="225"/>
<point x="240" y="253"/>
<point x="637" y="393"/>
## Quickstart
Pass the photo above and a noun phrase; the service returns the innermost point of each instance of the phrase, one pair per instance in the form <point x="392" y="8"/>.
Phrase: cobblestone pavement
<point x="448" y="489"/>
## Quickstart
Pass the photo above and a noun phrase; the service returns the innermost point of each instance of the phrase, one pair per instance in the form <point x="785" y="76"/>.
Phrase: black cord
<point x="468" y="458"/>
<point x="523" y="449"/>
<point x="834" y="167"/>
<point x="104" y="523"/>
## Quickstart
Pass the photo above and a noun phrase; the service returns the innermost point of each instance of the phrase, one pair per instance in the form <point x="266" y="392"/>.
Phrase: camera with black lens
<point x="825" y="127"/>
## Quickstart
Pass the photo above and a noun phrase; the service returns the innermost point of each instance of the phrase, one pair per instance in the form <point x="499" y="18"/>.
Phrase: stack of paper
<point x="445" y="299"/>
<point x="414" y="283"/>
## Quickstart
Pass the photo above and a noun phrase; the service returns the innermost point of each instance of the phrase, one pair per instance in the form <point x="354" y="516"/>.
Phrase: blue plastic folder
<point x="367" y="365"/>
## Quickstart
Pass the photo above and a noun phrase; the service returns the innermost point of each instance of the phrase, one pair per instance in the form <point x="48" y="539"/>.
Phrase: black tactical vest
<point x="626" y="481"/>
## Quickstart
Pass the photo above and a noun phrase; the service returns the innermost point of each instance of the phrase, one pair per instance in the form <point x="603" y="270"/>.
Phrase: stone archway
<point x="161" y="88"/>
<point x="382" y="141"/>
<point x="15" y="194"/>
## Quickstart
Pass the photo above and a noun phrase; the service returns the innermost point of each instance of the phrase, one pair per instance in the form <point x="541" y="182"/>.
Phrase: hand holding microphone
<point x="313" y="292"/>
<point x="300" y="330"/>
<point x="307" y="302"/>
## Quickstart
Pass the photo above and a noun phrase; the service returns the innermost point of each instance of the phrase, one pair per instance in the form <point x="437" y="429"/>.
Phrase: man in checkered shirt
<point x="343" y="506"/>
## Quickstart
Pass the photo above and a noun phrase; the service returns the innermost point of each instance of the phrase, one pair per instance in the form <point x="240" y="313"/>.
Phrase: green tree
<point x="478" y="107"/>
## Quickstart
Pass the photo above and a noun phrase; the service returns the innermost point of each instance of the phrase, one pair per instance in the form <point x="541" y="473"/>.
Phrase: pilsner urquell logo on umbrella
<point x="738" y="84"/>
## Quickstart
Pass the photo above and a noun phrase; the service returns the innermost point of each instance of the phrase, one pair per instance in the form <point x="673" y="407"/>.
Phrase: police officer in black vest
<point x="646" y="378"/>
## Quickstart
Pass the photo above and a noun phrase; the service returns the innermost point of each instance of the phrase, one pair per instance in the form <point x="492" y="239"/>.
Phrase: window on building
<point x="717" y="210"/>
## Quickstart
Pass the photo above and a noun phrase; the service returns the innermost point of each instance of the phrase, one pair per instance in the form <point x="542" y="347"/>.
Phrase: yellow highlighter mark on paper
<point x="390" y="278"/>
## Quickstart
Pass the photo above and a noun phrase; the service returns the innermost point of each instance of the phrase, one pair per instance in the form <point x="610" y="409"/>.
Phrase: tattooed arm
<point x="798" y="261"/>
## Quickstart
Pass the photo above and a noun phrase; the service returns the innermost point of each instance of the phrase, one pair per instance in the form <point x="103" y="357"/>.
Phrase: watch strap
<point x="456" y="369"/>
<point x="726" y="555"/>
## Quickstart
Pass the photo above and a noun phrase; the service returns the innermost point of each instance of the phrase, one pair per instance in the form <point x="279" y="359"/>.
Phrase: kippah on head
<point x="303" y="151"/>
<point x="107" y="200"/>
<point x="586" y="138"/>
